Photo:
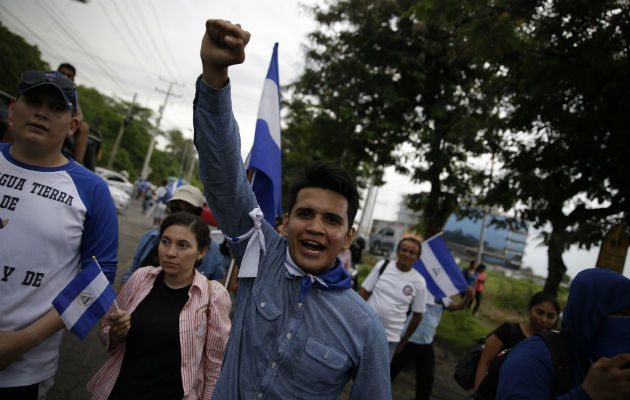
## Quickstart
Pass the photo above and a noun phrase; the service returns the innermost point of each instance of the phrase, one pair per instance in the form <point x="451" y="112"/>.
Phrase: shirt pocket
<point x="267" y="311"/>
<point x="322" y="368"/>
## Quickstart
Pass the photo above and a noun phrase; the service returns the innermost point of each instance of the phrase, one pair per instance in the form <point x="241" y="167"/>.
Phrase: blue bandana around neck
<point x="334" y="278"/>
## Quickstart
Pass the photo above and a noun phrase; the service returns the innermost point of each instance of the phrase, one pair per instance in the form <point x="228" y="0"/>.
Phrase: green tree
<point x="561" y="72"/>
<point x="17" y="56"/>
<point x="380" y="74"/>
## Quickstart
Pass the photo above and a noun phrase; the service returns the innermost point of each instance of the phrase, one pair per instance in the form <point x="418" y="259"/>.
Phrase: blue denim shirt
<point x="212" y="264"/>
<point x="279" y="348"/>
<point x="425" y="332"/>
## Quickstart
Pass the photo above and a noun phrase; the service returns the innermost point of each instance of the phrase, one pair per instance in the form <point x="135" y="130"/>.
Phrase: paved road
<point x="79" y="360"/>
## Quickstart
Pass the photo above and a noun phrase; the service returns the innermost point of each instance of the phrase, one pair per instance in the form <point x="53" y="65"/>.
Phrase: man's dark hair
<point x="327" y="176"/>
<point x="481" y="267"/>
<point x="412" y="240"/>
<point x="68" y="66"/>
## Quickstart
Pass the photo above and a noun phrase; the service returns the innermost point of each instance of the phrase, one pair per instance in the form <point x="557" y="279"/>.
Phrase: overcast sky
<point x="126" y="47"/>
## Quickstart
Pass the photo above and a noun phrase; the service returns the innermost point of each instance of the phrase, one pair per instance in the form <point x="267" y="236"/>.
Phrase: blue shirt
<point x="425" y="332"/>
<point x="212" y="264"/>
<point x="279" y="348"/>
<point x="470" y="277"/>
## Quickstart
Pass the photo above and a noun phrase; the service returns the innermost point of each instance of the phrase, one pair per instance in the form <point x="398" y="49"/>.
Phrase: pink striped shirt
<point x="202" y="340"/>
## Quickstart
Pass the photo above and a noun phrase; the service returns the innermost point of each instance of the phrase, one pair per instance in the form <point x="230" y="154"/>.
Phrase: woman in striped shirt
<point x="167" y="340"/>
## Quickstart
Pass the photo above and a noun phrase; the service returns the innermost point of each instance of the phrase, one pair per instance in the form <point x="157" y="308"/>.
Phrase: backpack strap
<point x="385" y="264"/>
<point x="561" y="357"/>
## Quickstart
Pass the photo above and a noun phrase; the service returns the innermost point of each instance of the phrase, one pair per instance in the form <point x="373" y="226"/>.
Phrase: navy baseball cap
<point x="32" y="79"/>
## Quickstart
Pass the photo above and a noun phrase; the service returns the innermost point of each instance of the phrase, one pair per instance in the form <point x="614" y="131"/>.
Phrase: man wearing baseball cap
<point x="55" y="215"/>
<point x="186" y="198"/>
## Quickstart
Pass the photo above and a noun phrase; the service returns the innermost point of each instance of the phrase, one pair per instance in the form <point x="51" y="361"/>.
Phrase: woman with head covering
<point x="596" y="323"/>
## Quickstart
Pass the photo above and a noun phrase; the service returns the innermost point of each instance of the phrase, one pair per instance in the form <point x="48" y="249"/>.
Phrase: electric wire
<point x="122" y="38"/>
<point x="164" y="41"/>
<point x="151" y="40"/>
<point x="133" y="36"/>
<point x="72" y="37"/>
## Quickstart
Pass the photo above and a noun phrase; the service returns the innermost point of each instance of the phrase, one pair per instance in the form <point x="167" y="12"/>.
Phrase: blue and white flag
<point x="171" y="187"/>
<point x="265" y="157"/>
<point x="436" y="264"/>
<point x="84" y="300"/>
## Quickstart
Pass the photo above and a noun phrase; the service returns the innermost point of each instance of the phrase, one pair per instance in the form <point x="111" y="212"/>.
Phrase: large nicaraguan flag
<point x="84" y="300"/>
<point x="265" y="158"/>
<point x="437" y="266"/>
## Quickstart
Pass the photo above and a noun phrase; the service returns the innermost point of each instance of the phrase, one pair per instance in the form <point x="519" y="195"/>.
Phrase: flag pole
<point x="99" y="266"/>
<point x="229" y="274"/>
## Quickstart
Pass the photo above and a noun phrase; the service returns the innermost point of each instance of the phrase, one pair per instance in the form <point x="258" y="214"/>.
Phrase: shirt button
<point x="289" y="334"/>
<point x="299" y="304"/>
<point x="259" y="395"/>
<point x="273" y="364"/>
<point x="263" y="304"/>
<point x="326" y="356"/>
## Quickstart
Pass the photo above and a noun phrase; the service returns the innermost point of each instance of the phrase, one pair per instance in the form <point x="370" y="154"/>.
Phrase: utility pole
<point x="123" y="125"/>
<point x="145" y="167"/>
<point x="192" y="162"/>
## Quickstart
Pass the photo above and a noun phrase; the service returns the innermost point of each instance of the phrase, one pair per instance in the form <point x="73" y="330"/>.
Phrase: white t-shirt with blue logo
<point x="392" y="293"/>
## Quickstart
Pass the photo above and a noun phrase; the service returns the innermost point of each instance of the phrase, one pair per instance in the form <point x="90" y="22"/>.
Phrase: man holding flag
<point x="299" y="330"/>
<point x="394" y="288"/>
<point x="55" y="215"/>
<point x="443" y="281"/>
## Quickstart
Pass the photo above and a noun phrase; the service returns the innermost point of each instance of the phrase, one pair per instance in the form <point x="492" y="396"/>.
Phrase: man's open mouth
<point x="312" y="246"/>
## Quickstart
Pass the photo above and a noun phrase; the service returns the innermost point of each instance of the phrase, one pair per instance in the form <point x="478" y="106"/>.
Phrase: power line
<point x="120" y="36"/>
<point x="140" y="17"/>
<point x="25" y="26"/>
<point x="72" y="37"/>
<point x="133" y="37"/>
<point x="164" y="41"/>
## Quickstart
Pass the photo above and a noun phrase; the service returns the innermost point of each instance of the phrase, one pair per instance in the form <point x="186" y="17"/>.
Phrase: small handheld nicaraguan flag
<point x="437" y="266"/>
<point x="84" y="300"/>
<point x="265" y="157"/>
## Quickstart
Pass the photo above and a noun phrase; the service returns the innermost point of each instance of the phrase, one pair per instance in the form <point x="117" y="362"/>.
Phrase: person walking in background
<point x="56" y="216"/>
<point x="168" y="339"/>
<point x="79" y="142"/>
<point x="419" y="348"/>
<point x="393" y="290"/>
<point x="543" y="315"/>
<point x="470" y="275"/>
<point x="160" y="198"/>
<point x="480" y="280"/>
<point x="147" y="193"/>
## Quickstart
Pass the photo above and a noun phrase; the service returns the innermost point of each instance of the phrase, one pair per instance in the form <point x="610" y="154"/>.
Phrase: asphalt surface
<point x="80" y="359"/>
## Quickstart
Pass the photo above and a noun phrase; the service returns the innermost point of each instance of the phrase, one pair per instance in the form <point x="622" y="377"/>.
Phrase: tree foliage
<point x="17" y="56"/>
<point x="561" y="72"/>
<point x="380" y="74"/>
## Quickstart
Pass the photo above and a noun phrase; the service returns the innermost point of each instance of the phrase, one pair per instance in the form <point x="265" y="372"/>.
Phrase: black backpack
<point x="560" y="357"/>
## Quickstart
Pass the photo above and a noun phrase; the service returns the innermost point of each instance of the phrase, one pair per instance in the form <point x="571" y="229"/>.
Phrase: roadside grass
<point x="504" y="299"/>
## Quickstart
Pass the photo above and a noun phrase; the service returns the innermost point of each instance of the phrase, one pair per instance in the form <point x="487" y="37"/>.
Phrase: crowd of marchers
<point x="293" y="325"/>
